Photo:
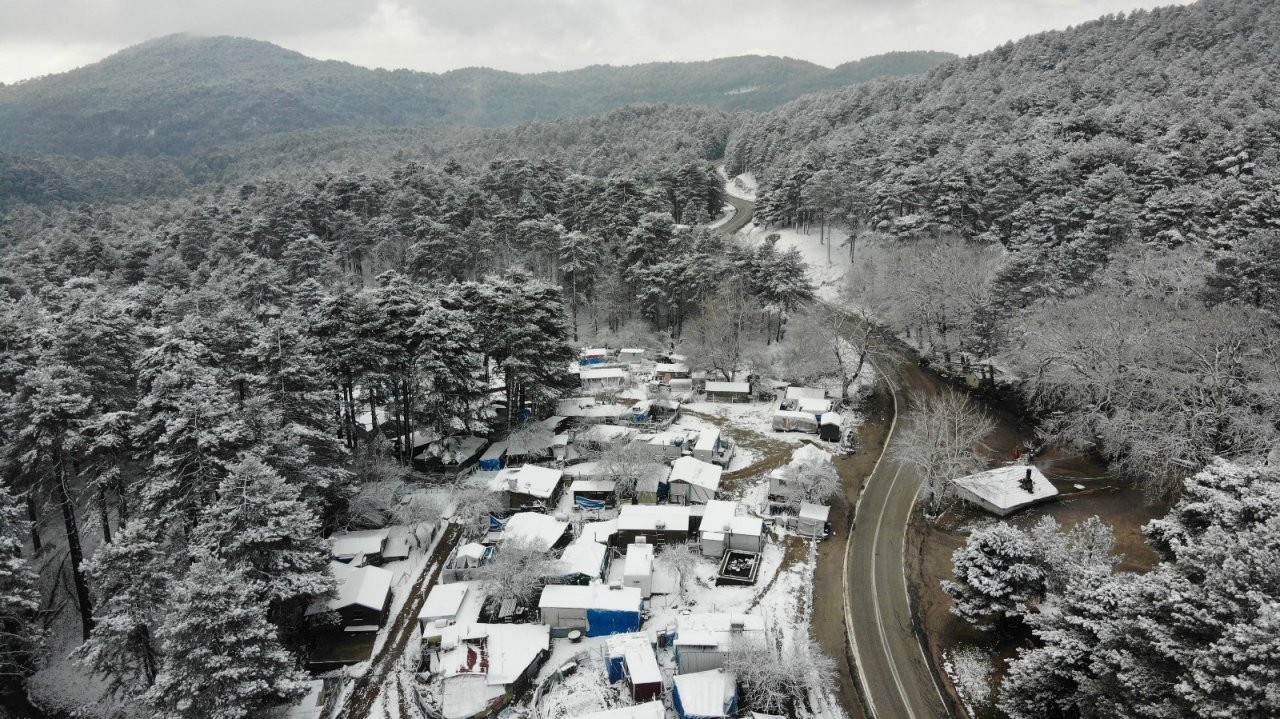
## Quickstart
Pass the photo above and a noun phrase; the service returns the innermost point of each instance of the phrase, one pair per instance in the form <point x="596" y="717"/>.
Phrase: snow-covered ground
<point x="743" y="186"/>
<point x="829" y="263"/>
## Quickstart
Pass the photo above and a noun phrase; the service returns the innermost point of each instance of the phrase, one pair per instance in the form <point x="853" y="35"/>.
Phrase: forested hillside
<point x="181" y="95"/>
<point x="1112" y="194"/>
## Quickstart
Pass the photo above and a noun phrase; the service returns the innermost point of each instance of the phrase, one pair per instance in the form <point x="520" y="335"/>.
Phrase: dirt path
<point x="369" y="687"/>
<point x="828" y="626"/>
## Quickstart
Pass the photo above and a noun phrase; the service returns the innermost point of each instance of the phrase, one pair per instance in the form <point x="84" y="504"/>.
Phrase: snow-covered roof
<point x="696" y="472"/>
<point x="595" y="352"/>
<point x="631" y="351"/>
<point x="706" y="694"/>
<point x="592" y="485"/>
<point x="647" y="517"/>
<point x="530" y="479"/>
<point x="505" y="650"/>
<point x="831" y="418"/>
<point x="805" y="393"/>
<point x="357" y="587"/>
<point x="813" y="405"/>
<point x="349" y="544"/>
<point x="495" y="451"/>
<point x="809" y="453"/>
<point x="598" y="531"/>
<point x="647" y="710"/>
<point x="604" y="434"/>
<point x="582" y="558"/>
<point x="1002" y="486"/>
<point x="533" y="439"/>
<point x="453" y="450"/>
<point x="573" y="406"/>
<point x="639" y="562"/>
<point x="791" y="414"/>
<point x="728" y="387"/>
<point x="721" y="516"/>
<point x="714" y="630"/>
<point x="615" y="645"/>
<point x="397" y="544"/>
<point x="472" y="550"/>
<point x="642" y="665"/>
<point x="670" y="367"/>
<point x="594" y="596"/>
<point x="817" y="512"/>
<point x="707" y="438"/>
<point x="443" y="602"/>
<point x="606" y="373"/>
<point x="537" y="529"/>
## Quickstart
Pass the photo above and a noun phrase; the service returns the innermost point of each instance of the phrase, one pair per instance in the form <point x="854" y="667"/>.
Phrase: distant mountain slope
<point x="181" y="94"/>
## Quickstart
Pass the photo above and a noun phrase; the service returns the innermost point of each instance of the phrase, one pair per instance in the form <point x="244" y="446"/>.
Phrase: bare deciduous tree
<point x="517" y="571"/>
<point x="778" y="680"/>
<point x="682" y="560"/>
<point x="940" y="441"/>
<point x="810" y="481"/>
<point x="472" y="508"/>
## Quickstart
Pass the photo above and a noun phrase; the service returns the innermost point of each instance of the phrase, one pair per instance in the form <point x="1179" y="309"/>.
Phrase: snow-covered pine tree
<point x="21" y="634"/>
<point x="222" y="659"/>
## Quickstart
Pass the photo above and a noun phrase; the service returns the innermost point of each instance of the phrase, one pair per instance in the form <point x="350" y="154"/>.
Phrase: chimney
<point x="1027" y="484"/>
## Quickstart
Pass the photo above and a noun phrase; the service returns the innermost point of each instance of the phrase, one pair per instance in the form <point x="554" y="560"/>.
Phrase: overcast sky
<point x="38" y="37"/>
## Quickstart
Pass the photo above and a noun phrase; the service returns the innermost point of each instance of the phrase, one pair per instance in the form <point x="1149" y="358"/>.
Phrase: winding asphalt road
<point x="895" y="676"/>
<point x="893" y="673"/>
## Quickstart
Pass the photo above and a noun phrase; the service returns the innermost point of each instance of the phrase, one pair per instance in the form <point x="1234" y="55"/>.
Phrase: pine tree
<point x="132" y="580"/>
<point x="21" y="634"/>
<point x="222" y="659"/>
<point x="259" y="522"/>
<point x="998" y="571"/>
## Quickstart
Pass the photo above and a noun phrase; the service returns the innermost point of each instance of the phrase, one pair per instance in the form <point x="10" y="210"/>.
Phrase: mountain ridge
<point x="182" y="94"/>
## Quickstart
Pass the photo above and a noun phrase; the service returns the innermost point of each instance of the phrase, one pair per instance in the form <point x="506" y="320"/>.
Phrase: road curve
<point x="896" y="680"/>
<point x="895" y="676"/>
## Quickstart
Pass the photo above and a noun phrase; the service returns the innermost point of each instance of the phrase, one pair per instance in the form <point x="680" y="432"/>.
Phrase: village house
<point x="630" y="355"/>
<point x="441" y="608"/>
<point x="361" y="598"/>
<point x="723" y="529"/>
<point x="604" y="379"/>
<point x="657" y="524"/>
<point x="712" y="446"/>
<point x="703" y="641"/>
<point x="1004" y="490"/>
<point x="484" y="667"/>
<point x="528" y="487"/>
<point x="596" y="610"/>
<point x="532" y="528"/>
<point x="727" y="391"/>
<point x="581" y="563"/>
<point x="360" y="547"/>
<point x="693" y="481"/>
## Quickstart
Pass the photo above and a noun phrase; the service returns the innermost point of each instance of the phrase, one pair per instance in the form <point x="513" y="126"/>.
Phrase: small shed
<point x="728" y="391"/>
<point x="615" y="650"/>
<point x="703" y="641"/>
<point x="712" y="446"/>
<point x="723" y="529"/>
<point x="399" y="540"/>
<point x="830" y="427"/>
<point x="652" y="484"/>
<point x="694" y="481"/>
<point x="592" y="494"/>
<point x="668" y="371"/>
<point x="594" y="355"/>
<point x="604" y="379"/>
<point x="659" y="524"/>
<point x="811" y="522"/>
<point x="637" y="571"/>
<point x="813" y="405"/>
<point x="361" y="598"/>
<point x="794" y="421"/>
<point x="368" y="543"/>
<point x="662" y="445"/>
<point x="706" y="695"/>
<point x="630" y="355"/>
<point x="528" y="486"/>
<point x="640" y="411"/>
<point x="647" y="710"/>
<point x="1004" y="490"/>
<point x="596" y="610"/>
<point x="643" y="676"/>
<point x="582" y="563"/>
<point x="536" y="529"/>
<point x="442" y="605"/>
<point x="494" y="458"/>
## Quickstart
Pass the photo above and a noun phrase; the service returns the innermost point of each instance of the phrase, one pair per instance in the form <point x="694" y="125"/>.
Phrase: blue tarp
<point x="592" y="360"/>
<point x="495" y="524"/>
<point x="615" y="669"/>
<point x="594" y="505"/>
<point x="602" y="622"/>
